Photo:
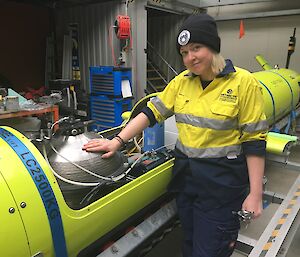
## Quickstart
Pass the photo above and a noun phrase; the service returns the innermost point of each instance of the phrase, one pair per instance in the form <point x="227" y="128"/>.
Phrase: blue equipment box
<point x="154" y="137"/>
<point x="106" y="112"/>
<point x="107" y="80"/>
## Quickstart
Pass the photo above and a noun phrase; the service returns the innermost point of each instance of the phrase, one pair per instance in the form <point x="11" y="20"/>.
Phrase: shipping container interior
<point x="72" y="53"/>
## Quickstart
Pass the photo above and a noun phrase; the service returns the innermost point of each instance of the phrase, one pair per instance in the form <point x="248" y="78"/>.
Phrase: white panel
<point x="267" y="36"/>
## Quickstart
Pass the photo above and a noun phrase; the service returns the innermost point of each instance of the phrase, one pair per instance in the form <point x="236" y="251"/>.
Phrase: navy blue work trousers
<point x="210" y="233"/>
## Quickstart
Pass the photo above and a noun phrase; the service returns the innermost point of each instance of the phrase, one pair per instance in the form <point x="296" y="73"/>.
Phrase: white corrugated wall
<point x="94" y="22"/>
<point x="162" y="33"/>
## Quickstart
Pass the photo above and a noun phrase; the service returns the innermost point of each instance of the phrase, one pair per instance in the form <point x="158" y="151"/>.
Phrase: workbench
<point x="22" y="113"/>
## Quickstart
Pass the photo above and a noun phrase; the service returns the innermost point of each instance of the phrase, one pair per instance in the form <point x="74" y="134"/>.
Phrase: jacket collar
<point x="229" y="68"/>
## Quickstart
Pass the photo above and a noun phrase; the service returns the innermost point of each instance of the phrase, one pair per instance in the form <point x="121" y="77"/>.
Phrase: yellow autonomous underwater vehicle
<point x="76" y="207"/>
<point x="67" y="215"/>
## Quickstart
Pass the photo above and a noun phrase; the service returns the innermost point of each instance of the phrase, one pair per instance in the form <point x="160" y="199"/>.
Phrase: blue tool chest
<point x="106" y="112"/>
<point x="107" y="80"/>
<point x="106" y="101"/>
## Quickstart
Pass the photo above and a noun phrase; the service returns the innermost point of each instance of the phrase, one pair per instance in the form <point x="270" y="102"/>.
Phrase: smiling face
<point x="198" y="59"/>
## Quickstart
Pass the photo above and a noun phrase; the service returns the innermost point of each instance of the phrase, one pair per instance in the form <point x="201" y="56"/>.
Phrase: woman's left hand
<point x="253" y="204"/>
<point x="101" y="144"/>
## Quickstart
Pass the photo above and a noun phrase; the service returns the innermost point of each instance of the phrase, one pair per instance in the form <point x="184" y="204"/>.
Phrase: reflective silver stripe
<point x="206" y="122"/>
<point x="163" y="110"/>
<point x="255" y="127"/>
<point x="213" y="152"/>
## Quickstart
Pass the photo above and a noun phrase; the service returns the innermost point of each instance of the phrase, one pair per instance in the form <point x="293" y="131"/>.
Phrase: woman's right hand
<point x="102" y="145"/>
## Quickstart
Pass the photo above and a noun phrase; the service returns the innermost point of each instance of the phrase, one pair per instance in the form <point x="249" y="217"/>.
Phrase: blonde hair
<point x="218" y="63"/>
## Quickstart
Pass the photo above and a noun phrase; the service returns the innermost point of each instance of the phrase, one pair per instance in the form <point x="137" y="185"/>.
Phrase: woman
<point x="219" y="154"/>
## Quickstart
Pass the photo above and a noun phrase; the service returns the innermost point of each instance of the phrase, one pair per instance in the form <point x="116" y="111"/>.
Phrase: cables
<point x="107" y="179"/>
<point x="130" y="168"/>
<point x="76" y="183"/>
<point x="80" y="167"/>
<point x="111" y="45"/>
<point x="111" y="179"/>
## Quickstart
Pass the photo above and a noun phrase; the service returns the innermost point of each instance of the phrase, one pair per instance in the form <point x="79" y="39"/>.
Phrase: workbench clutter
<point x="3" y="94"/>
<point x="2" y="105"/>
<point x="12" y="103"/>
<point x="10" y="100"/>
<point x="25" y="115"/>
<point x="9" y="104"/>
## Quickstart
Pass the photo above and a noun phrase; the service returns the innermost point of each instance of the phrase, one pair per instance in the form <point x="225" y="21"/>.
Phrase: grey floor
<point x="280" y="180"/>
<point x="170" y="246"/>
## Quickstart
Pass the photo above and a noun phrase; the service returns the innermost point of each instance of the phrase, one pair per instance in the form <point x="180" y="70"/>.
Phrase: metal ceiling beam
<point x="45" y="3"/>
<point x="194" y="6"/>
<point x="74" y="3"/>
<point x="214" y="3"/>
<point x="163" y="9"/>
<point x="58" y="3"/>
<point x="258" y="15"/>
<point x="177" y="7"/>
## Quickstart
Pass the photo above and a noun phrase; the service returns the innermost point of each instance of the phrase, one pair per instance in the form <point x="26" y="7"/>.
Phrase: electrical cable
<point x="164" y="146"/>
<point x="137" y="160"/>
<point x="111" y="45"/>
<point x="76" y="183"/>
<point x="137" y="144"/>
<point x="114" y="179"/>
<point x="130" y="168"/>
<point x="80" y="167"/>
<point x="126" y="7"/>
<point x="51" y="130"/>
<point x="57" y="122"/>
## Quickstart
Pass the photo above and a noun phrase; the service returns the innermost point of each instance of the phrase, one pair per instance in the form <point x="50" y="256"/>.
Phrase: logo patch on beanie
<point x="184" y="37"/>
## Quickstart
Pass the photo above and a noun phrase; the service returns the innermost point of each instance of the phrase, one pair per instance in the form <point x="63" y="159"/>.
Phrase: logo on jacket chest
<point x="228" y="96"/>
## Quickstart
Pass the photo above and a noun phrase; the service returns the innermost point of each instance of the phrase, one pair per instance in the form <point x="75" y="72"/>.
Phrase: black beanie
<point x="200" y="28"/>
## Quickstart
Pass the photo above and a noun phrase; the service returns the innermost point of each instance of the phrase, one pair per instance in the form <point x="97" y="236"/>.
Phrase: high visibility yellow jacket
<point x="218" y="126"/>
<point x="215" y="121"/>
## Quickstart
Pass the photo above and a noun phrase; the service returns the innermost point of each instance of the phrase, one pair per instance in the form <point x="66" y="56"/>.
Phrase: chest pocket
<point x="182" y="103"/>
<point x="228" y="110"/>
